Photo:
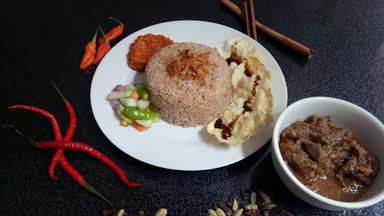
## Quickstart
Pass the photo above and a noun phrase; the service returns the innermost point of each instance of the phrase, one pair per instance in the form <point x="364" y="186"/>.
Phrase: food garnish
<point x="251" y="105"/>
<point x="189" y="66"/>
<point x="114" y="32"/>
<point x="327" y="159"/>
<point x="60" y="144"/>
<point x="102" y="49"/>
<point x="90" y="53"/>
<point x="131" y="103"/>
<point x="142" y="49"/>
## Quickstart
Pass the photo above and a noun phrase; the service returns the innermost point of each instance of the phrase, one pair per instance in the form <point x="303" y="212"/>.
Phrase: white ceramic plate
<point x="165" y="145"/>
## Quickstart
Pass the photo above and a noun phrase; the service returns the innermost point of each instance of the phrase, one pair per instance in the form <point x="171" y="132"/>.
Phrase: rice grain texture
<point x="186" y="102"/>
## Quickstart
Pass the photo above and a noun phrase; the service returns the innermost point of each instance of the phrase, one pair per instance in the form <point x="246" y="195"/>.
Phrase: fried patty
<point x="142" y="49"/>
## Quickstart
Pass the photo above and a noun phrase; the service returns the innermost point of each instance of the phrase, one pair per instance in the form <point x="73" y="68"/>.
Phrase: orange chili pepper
<point x="90" y="53"/>
<point x="114" y="33"/>
<point x="103" y="48"/>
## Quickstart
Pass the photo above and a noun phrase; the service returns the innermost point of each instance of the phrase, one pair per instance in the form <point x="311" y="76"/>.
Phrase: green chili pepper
<point x="142" y="92"/>
<point x="135" y="113"/>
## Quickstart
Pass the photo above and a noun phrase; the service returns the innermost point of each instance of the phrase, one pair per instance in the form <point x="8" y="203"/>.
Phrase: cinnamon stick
<point x="296" y="46"/>
<point x="253" y="25"/>
<point x="246" y="18"/>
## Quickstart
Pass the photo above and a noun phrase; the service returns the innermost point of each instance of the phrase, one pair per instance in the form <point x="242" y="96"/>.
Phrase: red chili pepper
<point x="103" y="48"/>
<point x="93" y="152"/>
<point x="52" y="165"/>
<point x="60" y="144"/>
<point x="80" y="179"/>
<point x="68" y="134"/>
<point x="55" y="126"/>
<point x="113" y="33"/>
<point x="65" y="165"/>
<point x="89" y="54"/>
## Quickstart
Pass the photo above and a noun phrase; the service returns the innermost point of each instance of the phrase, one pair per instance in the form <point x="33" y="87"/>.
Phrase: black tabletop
<point x="43" y="41"/>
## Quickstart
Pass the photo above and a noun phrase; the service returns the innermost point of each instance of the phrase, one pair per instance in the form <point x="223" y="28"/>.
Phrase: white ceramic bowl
<point x="368" y="129"/>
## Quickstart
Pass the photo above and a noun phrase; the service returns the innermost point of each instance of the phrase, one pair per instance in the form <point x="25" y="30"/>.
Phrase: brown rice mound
<point x="187" y="102"/>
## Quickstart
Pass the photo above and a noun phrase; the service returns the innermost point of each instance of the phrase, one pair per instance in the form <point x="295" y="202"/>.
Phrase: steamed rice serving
<point x="190" y="84"/>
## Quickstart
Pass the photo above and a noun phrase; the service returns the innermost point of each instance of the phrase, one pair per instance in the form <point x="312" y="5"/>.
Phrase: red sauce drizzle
<point x="255" y="84"/>
<point x="247" y="106"/>
<point x="219" y="124"/>
<point x="234" y="57"/>
<point x="247" y="71"/>
<point x="227" y="130"/>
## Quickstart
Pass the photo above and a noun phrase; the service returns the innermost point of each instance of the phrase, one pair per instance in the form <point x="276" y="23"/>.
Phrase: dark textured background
<point x="44" y="40"/>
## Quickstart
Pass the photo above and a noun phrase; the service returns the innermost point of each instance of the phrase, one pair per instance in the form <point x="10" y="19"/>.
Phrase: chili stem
<point x="72" y="115"/>
<point x="20" y="134"/>
<point x="90" y="189"/>
<point x="102" y="32"/>
<point x="59" y="92"/>
<point x="113" y="18"/>
<point x="95" y="36"/>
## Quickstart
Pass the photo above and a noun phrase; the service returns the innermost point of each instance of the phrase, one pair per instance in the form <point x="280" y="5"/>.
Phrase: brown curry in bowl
<point x="328" y="159"/>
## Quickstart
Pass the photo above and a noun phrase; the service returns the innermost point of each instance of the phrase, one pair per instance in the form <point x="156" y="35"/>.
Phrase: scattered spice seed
<point x="250" y="209"/>
<point x="235" y="205"/>
<point x="239" y="207"/>
<point x="211" y="212"/>
<point x="121" y="212"/>
<point x="251" y="206"/>
<point x="161" y="212"/>
<point x="226" y="208"/>
<point x="253" y="197"/>
<point x="238" y="212"/>
<point x="220" y="212"/>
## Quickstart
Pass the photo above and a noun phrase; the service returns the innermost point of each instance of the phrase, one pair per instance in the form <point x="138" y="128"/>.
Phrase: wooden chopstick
<point x="296" y="46"/>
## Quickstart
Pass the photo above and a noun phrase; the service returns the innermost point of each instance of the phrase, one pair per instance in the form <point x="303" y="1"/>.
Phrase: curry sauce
<point x="327" y="159"/>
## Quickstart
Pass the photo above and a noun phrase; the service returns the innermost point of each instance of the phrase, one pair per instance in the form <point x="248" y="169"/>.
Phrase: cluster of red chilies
<point x="93" y="56"/>
<point x="61" y="143"/>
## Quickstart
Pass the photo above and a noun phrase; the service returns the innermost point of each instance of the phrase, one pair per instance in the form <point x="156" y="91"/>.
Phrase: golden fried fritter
<point x="142" y="49"/>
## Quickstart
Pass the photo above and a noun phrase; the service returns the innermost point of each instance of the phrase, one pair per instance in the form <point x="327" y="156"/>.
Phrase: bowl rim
<point x="298" y="183"/>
